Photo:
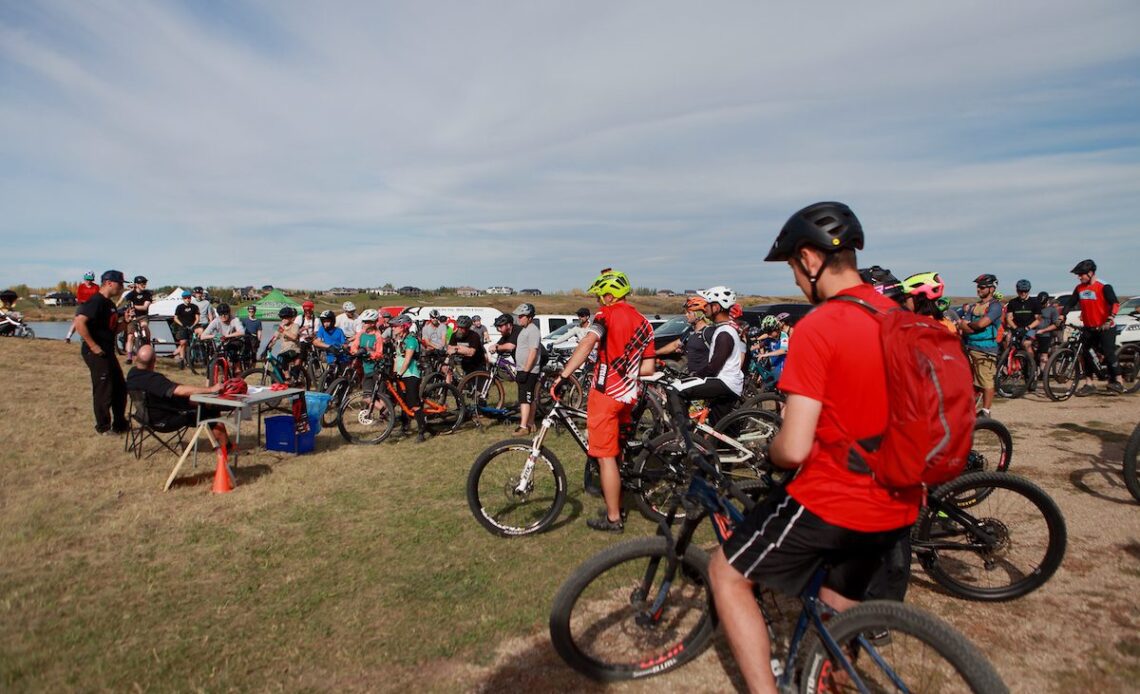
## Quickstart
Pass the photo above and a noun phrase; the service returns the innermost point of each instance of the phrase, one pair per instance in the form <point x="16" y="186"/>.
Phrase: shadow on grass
<point x="1107" y="466"/>
<point x="243" y="474"/>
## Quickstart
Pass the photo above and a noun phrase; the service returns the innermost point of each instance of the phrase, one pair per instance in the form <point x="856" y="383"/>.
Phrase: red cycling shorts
<point x="604" y="417"/>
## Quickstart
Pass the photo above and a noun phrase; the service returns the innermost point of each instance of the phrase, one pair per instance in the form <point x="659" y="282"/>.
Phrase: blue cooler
<point x="279" y="435"/>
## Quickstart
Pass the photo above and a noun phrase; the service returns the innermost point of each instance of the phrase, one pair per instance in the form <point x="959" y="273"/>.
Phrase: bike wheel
<point x="606" y="622"/>
<point x="197" y="358"/>
<point x="472" y="385"/>
<point x="992" y="448"/>
<point x="338" y="392"/>
<point x="648" y="418"/>
<point x="443" y="406"/>
<point x="1013" y="375"/>
<point x="1128" y="361"/>
<point x="366" y="418"/>
<point x="753" y="429"/>
<point x="661" y="475"/>
<point x="897" y="647"/>
<point x="256" y="376"/>
<point x="1131" y="453"/>
<point x="572" y="395"/>
<point x="510" y="494"/>
<point x="1062" y="372"/>
<point x="431" y="379"/>
<point x="217" y="370"/>
<point x="29" y="333"/>
<point x="990" y="536"/>
<point x="772" y="401"/>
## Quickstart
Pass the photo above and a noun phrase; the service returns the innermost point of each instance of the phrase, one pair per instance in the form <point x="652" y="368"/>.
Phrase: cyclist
<point x="695" y="343"/>
<point x="508" y="334"/>
<point x="720" y="380"/>
<point x="83" y="292"/>
<point x="307" y="322"/>
<point x="1023" y="316"/>
<point x="348" y="322"/>
<point x="185" y="322"/>
<point x="1047" y="329"/>
<point x="206" y="311"/>
<point x="408" y="371"/>
<point x="528" y="350"/>
<point x="252" y="327"/>
<point x="224" y="326"/>
<point x="369" y="344"/>
<point x="466" y="343"/>
<point x="1098" y="304"/>
<point x="836" y="387"/>
<point x="577" y="332"/>
<point x="922" y="292"/>
<point x="478" y="328"/>
<point x="139" y="299"/>
<point x="433" y="334"/>
<point x="625" y="351"/>
<point x="329" y="335"/>
<point x="289" y="335"/>
<point x="979" y="328"/>
<point x="773" y="344"/>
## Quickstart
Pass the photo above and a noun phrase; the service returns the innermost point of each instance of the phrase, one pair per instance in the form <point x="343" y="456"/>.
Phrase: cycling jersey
<point x="409" y="342"/>
<point x="838" y="361"/>
<point x="726" y="357"/>
<point x="333" y="338"/>
<point x="370" y="343"/>
<point x="139" y="300"/>
<point x="624" y="339"/>
<point x="985" y="340"/>
<point x="696" y="351"/>
<point x="1097" y="302"/>
<point x="85" y="291"/>
<point x="1024" y="311"/>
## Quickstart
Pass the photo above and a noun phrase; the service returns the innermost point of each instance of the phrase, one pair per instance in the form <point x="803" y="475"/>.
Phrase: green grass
<point x="357" y="562"/>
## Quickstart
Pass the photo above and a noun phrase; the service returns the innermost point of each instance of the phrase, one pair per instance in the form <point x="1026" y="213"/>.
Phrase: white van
<point x="488" y="314"/>
<point x="549" y="322"/>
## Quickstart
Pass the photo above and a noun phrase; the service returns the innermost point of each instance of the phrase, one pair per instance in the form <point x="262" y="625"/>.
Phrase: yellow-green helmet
<point x="610" y="282"/>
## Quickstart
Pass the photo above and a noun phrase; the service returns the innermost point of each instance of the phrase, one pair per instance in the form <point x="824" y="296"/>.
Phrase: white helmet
<point x="719" y="295"/>
<point x="348" y="307"/>
<point x="369" y="314"/>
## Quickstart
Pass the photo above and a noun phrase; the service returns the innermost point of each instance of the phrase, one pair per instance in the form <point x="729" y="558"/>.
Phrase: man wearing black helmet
<point x="139" y="299"/>
<point x="97" y="324"/>
<point x="1022" y="317"/>
<point x="468" y="345"/>
<point x="836" y="384"/>
<point x="1098" y="304"/>
<point x="979" y="329"/>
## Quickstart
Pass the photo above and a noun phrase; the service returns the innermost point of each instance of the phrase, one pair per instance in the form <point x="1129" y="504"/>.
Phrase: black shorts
<point x="181" y="334"/>
<point x="781" y="544"/>
<point x="527" y="383"/>
<point x="1044" y="343"/>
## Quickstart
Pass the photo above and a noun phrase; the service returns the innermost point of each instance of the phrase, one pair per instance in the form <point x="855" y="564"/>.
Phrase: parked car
<point x="670" y="330"/>
<point x="1128" y="322"/>
<point x="60" y="299"/>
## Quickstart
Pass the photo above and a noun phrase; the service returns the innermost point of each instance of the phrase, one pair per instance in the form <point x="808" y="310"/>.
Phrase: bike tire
<point x="599" y="623"/>
<point x="256" y="376"/>
<point x="918" y="648"/>
<point x="991" y="450"/>
<point x="661" y="475"/>
<point x="771" y="401"/>
<point x="362" y="422"/>
<point x="338" y="392"/>
<point x="1128" y="361"/>
<point x="217" y="369"/>
<point x="754" y="429"/>
<point x="197" y="359"/>
<point x="1062" y="372"/>
<point x="29" y="333"/>
<point x="471" y="387"/>
<point x="1012" y="382"/>
<point x="1026" y="524"/>
<point x="493" y="493"/>
<point x="648" y="418"/>
<point x="572" y="395"/>
<point x="444" y="410"/>
<point x="1131" y="453"/>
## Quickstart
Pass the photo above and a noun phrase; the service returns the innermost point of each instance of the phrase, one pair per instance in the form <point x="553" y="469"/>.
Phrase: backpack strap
<point x="848" y="299"/>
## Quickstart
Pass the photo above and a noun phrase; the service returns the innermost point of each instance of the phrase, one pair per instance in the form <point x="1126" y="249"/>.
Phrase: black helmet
<point x="1086" y="265"/>
<point x="524" y="310"/>
<point x="754" y="333"/>
<point x="463" y="322"/>
<point x="884" y="282"/>
<point x="986" y="280"/>
<point x="287" y="312"/>
<point x="434" y="313"/>
<point x="1044" y="298"/>
<point x="223" y="309"/>
<point x="327" y="315"/>
<point x="828" y="226"/>
<point x="8" y="296"/>
<point x="1023" y="286"/>
<point x="139" y="279"/>
<point x="198" y="289"/>
<point x="583" y="312"/>
<point x="402" y="319"/>
<point x="504" y="319"/>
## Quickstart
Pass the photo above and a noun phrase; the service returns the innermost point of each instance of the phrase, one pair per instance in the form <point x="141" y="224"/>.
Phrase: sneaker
<point x="1116" y="387"/>
<point x="1086" y="390"/>
<point x="605" y="525"/>
<point x="602" y="514"/>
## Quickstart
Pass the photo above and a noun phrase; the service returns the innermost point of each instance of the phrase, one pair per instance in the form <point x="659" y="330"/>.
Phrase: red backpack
<point x="930" y="397"/>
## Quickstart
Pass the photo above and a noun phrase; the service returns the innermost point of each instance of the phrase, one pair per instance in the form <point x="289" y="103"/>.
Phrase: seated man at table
<point x="168" y="403"/>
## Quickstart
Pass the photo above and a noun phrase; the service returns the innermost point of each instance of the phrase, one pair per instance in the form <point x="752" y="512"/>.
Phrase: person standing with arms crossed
<point x="98" y="323"/>
<point x="625" y="351"/>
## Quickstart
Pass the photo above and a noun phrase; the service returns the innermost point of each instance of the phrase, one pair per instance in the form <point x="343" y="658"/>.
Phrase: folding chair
<point x="169" y="433"/>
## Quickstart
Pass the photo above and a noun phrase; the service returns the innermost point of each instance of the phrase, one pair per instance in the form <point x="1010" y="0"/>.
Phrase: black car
<point x="669" y="331"/>
<point x="754" y="314"/>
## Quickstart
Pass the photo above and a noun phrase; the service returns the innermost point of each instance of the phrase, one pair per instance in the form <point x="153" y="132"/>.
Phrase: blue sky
<point x="532" y="143"/>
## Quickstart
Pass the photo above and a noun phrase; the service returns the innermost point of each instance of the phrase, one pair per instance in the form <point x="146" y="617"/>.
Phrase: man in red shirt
<point x="1098" y="304"/>
<point x="83" y="292"/>
<point x="836" y="386"/>
<point x="625" y="351"/>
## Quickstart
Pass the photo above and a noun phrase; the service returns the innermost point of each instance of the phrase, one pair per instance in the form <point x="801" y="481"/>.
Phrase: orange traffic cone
<point x="223" y="476"/>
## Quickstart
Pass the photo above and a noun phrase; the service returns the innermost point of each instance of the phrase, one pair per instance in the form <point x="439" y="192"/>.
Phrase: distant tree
<point x="388" y="285"/>
<point x="645" y="291"/>
<point x="21" y="290"/>
<point x="63" y="286"/>
<point x="445" y="290"/>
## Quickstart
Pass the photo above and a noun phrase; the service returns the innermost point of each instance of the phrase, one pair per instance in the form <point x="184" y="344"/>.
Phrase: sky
<point x="533" y="143"/>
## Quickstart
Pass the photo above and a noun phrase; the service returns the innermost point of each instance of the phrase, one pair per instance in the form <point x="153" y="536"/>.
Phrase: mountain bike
<point x="1016" y="373"/>
<point x="484" y="391"/>
<point x="644" y="607"/>
<point x="345" y="374"/>
<point x="1131" y="453"/>
<point x="13" y="325"/>
<point x="231" y="360"/>
<point x="1078" y="360"/>
<point x="273" y="370"/>
<point x="368" y="417"/>
<point x="199" y="352"/>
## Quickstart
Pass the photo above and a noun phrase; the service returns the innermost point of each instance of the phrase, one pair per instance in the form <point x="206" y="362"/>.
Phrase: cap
<point x="112" y="276"/>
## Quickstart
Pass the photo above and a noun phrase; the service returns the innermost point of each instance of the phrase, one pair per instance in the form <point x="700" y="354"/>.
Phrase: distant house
<point x="409" y="291"/>
<point x="531" y="292"/>
<point x="382" y="291"/>
<point x="343" y="291"/>
<point x="500" y="290"/>
<point x="468" y="291"/>
<point x="666" y="293"/>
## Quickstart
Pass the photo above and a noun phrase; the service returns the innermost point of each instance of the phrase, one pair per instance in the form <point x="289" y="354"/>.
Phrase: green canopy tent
<point x="270" y="304"/>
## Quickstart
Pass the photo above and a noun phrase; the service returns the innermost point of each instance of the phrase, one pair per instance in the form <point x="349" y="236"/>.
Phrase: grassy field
<point x="361" y="569"/>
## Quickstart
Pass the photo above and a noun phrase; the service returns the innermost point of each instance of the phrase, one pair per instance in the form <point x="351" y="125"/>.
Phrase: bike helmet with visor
<point x="883" y="280"/>
<point x="401" y="320"/>
<point x="463" y="322"/>
<point x="986" y="280"/>
<point x="1083" y="267"/>
<point x="720" y="295"/>
<point x="769" y="323"/>
<point x="308" y="306"/>
<point x="503" y="319"/>
<point x="696" y="303"/>
<point x="327" y="315"/>
<point x="928" y="284"/>
<point x="524" y="310"/>
<point x="610" y="281"/>
<point x="348" y="307"/>
<point x="827" y="226"/>
<point x="187" y="295"/>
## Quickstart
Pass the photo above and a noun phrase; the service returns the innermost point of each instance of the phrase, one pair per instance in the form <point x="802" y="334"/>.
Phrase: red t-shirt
<point x="1095" y="305"/>
<point x="85" y="291"/>
<point x="835" y="357"/>
<point x="625" y="338"/>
